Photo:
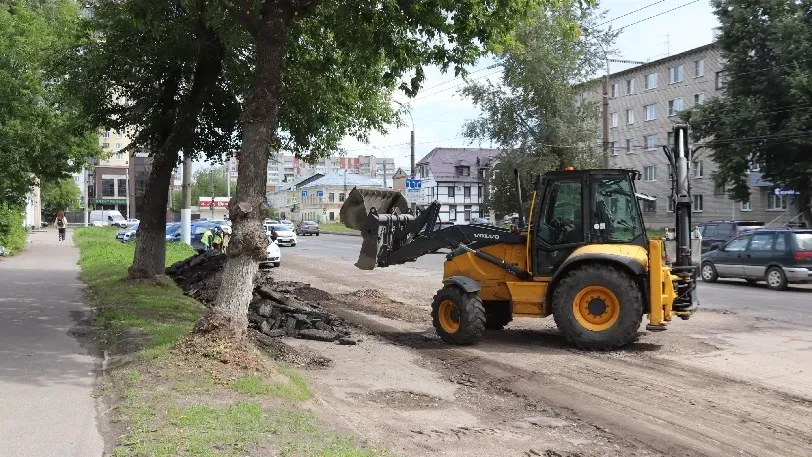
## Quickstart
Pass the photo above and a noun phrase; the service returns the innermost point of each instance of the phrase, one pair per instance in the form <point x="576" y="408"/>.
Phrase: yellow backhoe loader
<point x="583" y="256"/>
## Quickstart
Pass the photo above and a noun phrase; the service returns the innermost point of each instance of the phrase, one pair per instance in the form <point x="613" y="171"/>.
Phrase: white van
<point x="105" y="217"/>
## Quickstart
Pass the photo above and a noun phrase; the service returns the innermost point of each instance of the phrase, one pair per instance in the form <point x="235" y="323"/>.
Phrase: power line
<point x="658" y="14"/>
<point x="630" y="13"/>
<point x="456" y="86"/>
<point x="489" y="67"/>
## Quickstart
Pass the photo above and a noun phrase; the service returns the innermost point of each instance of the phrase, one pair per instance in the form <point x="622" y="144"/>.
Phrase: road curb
<point x="342" y="233"/>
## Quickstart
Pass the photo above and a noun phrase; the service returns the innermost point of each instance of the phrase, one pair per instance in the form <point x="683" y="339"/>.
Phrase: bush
<point x="12" y="232"/>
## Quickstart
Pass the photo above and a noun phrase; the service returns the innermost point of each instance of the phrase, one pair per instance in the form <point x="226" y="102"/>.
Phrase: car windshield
<point x="172" y="228"/>
<point x="804" y="241"/>
<point x="280" y="227"/>
<point x="134" y="228"/>
<point x="308" y="223"/>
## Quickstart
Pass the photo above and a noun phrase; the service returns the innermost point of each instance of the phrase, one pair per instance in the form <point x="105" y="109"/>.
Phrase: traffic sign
<point x="414" y="184"/>
<point x="319" y="193"/>
<point x="304" y="193"/>
<point x="295" y="200"/>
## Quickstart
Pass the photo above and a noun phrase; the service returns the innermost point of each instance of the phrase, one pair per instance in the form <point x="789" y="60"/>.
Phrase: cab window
<point x="615" y="216"/>
<point x="738" y="244"/>
<point x="561" y="221"/>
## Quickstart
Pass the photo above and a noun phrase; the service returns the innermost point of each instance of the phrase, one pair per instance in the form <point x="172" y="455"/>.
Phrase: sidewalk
<point x="46" y="377"/>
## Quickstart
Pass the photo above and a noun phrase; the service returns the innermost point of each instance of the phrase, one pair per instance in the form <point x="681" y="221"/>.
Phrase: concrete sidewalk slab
<point x="46" y="376"/>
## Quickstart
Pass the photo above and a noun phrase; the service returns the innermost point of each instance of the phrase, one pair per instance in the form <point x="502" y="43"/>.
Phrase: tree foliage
<point x="209" y="181"/>
<point x="534" y="113"/>
<point x="41" y="131"/>
<point x="59" y="195"/>
<point x="762" y="116"/>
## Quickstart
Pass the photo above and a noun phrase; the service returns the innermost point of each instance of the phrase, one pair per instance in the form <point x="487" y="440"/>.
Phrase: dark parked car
<point x="777" y="256"/>
<point x="307" y="228"/>
<point x="717" y="233"/>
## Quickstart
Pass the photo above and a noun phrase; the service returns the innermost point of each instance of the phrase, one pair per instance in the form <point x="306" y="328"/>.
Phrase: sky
<point x="439" y="111"/>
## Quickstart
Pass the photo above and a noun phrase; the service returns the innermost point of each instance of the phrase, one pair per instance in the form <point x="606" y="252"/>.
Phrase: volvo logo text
<point x="486" y="235"/>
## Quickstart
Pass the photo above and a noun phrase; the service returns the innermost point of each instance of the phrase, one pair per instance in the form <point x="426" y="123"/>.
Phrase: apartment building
<point x="108" y="181"/>
<point x="455" y="177"/>
<point x="284" y="168"/>
<point x="317" y="197"/>
<point x="644" y="102"/>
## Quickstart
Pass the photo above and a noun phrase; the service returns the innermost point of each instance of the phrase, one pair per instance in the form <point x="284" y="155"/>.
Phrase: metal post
<point x="605" y="119"/>
<point x="384" y="172"/>
<point x="84" y="173"/>
<point x="211" y="182"/>
<point x="186" y="207"/>
<point x="127" y="191"/>
<point x="412" y="145"/>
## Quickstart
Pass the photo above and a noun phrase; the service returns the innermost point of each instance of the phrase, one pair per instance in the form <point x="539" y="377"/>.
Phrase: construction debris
<point x="275" y="310"/>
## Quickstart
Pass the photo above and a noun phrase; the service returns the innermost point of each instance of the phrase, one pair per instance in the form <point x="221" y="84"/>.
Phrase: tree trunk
<point x="804" y="208"/>
<point x="249" y="206"/>
<point x="150" y="243"/>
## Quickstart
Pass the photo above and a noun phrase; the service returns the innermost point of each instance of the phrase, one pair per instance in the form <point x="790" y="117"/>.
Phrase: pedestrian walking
<point x="61" y="223"/>
<point x="206" y="240"/>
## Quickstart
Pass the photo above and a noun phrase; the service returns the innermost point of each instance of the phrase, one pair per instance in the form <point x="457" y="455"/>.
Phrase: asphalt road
<point x="46" y="376"/>
<point x="793" y="305"/>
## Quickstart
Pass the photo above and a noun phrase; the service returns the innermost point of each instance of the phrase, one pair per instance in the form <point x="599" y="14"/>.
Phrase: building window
<point x="629" y="116"/>
<point x="119" y="156"/>
<point x="718" y="188"/>
<point x="670" y="139"/>
<point x="720" y="80"/>
<point x="650" y="141"/>
<point x="105" y="145"/>
<point x="650" y="173"/>
<point x="629" y="86"/>
<point x="118" y="146"/>
<point x="466" y="192"/>
<point x="106" y="134"/>
<point x="331" y="197"/>
<point x="674" y="106"/>
<point x="614" y="119"/>
<point x="697" y="208"/>
<point x="675" y="74"/>
<point x="122" y="188"/>
<point x="341" y="196"/>
<point x="118" y="135"/>
<point x="650" y="112"/>
<point x="746" y="206"/>
<point x="629" y="146"/>
<point x="463" y="171"/>
<point x="671" y="204"/>
<point x="452" y="213"/>
<point x="108" y="187"/>
<point x="611" y="147"/>
<point x="615" y="90"/>
<point x="467" y="213"/>
<point x="699" y="68"/>
<point x="777" y="202"/>
<point x="450" y="191"/>
<point x="699" y="168"/>
<point x="650" y="206"/>
<point x="650" y="81"/>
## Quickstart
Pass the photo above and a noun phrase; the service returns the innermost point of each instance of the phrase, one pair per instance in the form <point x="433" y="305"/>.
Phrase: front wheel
<point x="458" y="316"/>
<point x="317" y="234"/>
<point x="276" y="264"/>
<point x="709" y="272"/>
<point x="598" y="307"/>
<point x="776" y="279"/>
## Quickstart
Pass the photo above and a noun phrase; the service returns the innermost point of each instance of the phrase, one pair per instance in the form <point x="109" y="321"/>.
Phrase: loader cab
<point x="578" y="208"/>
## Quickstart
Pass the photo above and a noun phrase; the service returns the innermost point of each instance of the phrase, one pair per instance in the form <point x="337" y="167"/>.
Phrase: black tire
<point x="708" y="272"/>
<point x="497" y="315"/>
<point x="276" y="264"/>
<point x="625" y="315"/>
<point x="317" y="234"/>
<point x="776" y="279"/>
<point x="469" y="315"/>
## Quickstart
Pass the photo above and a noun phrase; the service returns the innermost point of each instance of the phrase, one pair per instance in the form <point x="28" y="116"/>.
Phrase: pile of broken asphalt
<point x="275" y="311"/>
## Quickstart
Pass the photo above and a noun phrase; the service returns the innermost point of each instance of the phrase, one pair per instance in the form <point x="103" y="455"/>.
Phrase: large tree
<point x="762" y="116"/>
<point x="41" y="133"/>
<point x="389" y="39"/>
<point x="59" y="195"/>
<point x="154" y="70"/>
<point x="534" y="112"/>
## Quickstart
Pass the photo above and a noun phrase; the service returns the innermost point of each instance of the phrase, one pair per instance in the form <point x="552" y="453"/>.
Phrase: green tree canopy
<point x="535" y="112"/>
<point x="763" y="115"/>
<point x="59" y="195"/>
<point x="41" y="131"/>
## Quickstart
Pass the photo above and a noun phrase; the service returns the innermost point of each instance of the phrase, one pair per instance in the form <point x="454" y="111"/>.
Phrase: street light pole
<point x="411" y="141"/>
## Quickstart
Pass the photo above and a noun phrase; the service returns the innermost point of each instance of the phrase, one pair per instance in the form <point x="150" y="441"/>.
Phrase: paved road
<point x="793" y="305"/>
<point x="46" y="377"/>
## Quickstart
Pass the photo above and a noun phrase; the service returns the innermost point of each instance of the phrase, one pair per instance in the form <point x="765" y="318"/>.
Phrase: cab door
<point x="558" y="221"/>
<point x="729" y="262"/>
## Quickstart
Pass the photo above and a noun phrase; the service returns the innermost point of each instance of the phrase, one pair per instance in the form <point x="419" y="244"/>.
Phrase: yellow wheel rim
<point x="449" y="316"/>
<point x="596" y="308"/>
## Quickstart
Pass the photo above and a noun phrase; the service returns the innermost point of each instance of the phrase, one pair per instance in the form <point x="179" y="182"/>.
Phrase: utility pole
<point x="211" y="182"/>
<point x="186" y="194"/>
<point x="605" y="119"/>
<point x="384" y="172"/>
<point x="84" y="173"/>
<point x="412" y="144"/>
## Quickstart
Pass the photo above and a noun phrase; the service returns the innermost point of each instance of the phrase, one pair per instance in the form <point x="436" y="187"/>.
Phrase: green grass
<point x="166" y="405"/>
<point x="341" y="228"/>
<point x="159" y="312"/>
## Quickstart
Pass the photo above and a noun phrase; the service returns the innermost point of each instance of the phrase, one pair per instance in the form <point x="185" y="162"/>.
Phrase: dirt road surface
<point x="720" y="384"/>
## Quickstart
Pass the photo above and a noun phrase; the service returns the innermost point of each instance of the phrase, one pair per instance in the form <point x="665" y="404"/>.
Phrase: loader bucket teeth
<point x="359" y="202"/>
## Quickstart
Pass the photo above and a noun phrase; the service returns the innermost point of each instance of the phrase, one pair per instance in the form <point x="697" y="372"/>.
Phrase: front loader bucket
<point x="356" y="213"/>
<point x="356" y="207"/>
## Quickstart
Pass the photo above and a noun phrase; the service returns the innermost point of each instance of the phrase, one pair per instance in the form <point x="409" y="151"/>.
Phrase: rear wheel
<point x="276" y="264"/>
<point x="709" y="272"/>
<point x="776" y="279"/>
<point x="458" y="316"/>
<point x="598" y="307"/>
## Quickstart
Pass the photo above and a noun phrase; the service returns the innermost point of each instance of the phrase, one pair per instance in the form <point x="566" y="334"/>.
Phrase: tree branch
<point x="242" y="13"/>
